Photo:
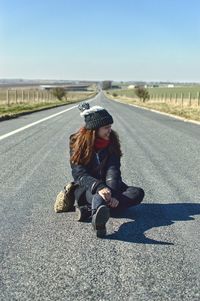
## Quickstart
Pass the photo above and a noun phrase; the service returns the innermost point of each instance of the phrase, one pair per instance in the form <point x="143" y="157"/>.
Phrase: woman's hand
<point x="113" y="203"/>
<point x="105" y="193"/>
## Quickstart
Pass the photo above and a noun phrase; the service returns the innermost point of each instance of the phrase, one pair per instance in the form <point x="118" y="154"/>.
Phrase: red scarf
<point x="100" y="143"/>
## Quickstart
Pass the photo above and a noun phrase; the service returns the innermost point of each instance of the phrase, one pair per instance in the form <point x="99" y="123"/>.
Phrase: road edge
<point x="7" y="117"/>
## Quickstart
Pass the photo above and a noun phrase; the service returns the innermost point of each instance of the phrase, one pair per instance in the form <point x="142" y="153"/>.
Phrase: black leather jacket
<point x="102" y="171"/>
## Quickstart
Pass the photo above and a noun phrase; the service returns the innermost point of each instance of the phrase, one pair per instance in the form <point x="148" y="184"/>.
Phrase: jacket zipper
<point x="98" y="160"/>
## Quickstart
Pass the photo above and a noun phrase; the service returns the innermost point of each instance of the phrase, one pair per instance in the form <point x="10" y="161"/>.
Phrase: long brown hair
<point x="82" y="145"/>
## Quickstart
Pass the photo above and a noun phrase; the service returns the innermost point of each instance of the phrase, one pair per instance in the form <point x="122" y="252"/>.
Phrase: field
<point x="188" y="95"/>
<point x="16" y="96"/>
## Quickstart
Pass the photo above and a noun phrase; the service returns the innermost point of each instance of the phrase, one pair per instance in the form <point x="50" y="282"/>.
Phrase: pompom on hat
<point x="95" y="117"/>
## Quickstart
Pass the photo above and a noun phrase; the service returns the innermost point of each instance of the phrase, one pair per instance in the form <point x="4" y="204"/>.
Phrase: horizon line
<point x="99" y="80"/>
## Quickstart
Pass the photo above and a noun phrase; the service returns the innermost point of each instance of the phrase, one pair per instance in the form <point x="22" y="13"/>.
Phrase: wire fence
<point x="19" y="96"/>
<point x="183" y="99"/>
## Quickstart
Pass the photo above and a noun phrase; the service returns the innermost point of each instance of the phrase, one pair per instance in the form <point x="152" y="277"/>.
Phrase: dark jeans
<point x="130" y="197"/>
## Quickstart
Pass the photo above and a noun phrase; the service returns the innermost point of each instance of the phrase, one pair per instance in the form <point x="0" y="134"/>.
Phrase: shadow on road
<point x="147" y="216"/>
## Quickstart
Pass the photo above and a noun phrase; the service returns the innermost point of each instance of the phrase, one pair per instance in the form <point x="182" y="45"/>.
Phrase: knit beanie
<point x="95" y="117"/>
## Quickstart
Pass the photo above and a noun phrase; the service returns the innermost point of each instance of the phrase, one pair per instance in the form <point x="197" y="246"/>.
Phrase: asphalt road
<point x="151" y="252"/>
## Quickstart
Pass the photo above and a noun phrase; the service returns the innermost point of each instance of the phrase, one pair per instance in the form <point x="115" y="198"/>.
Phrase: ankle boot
<point x="99" y="220"/>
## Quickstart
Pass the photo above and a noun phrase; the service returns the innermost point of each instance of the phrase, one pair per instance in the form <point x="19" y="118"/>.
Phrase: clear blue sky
<point x="100" y="39"/>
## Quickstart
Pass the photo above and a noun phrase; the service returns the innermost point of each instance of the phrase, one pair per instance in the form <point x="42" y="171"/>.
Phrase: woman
<point x="95" y="161"/>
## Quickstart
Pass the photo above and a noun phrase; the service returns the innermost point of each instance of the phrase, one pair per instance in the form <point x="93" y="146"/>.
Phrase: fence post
<point x="15" y="96"/>
<point x="182" y="99"/>
<point x="22" y="95"/>
<point x="190" y="99"/>
<point x="8" y="100"/>
<point x="198" y="99"/>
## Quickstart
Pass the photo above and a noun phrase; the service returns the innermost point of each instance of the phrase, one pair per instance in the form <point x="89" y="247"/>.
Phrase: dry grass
<point x="192" y="113"/>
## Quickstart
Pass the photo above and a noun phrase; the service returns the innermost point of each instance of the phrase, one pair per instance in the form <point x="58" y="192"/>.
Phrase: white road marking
<point x="34" y="123"/>
<point x="41" y="120"/>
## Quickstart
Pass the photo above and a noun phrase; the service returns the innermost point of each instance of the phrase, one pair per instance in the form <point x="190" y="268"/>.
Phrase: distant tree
<point x="142" y="93"/>
<point x="106" y="84"/>
<point x="59" y="92"/>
